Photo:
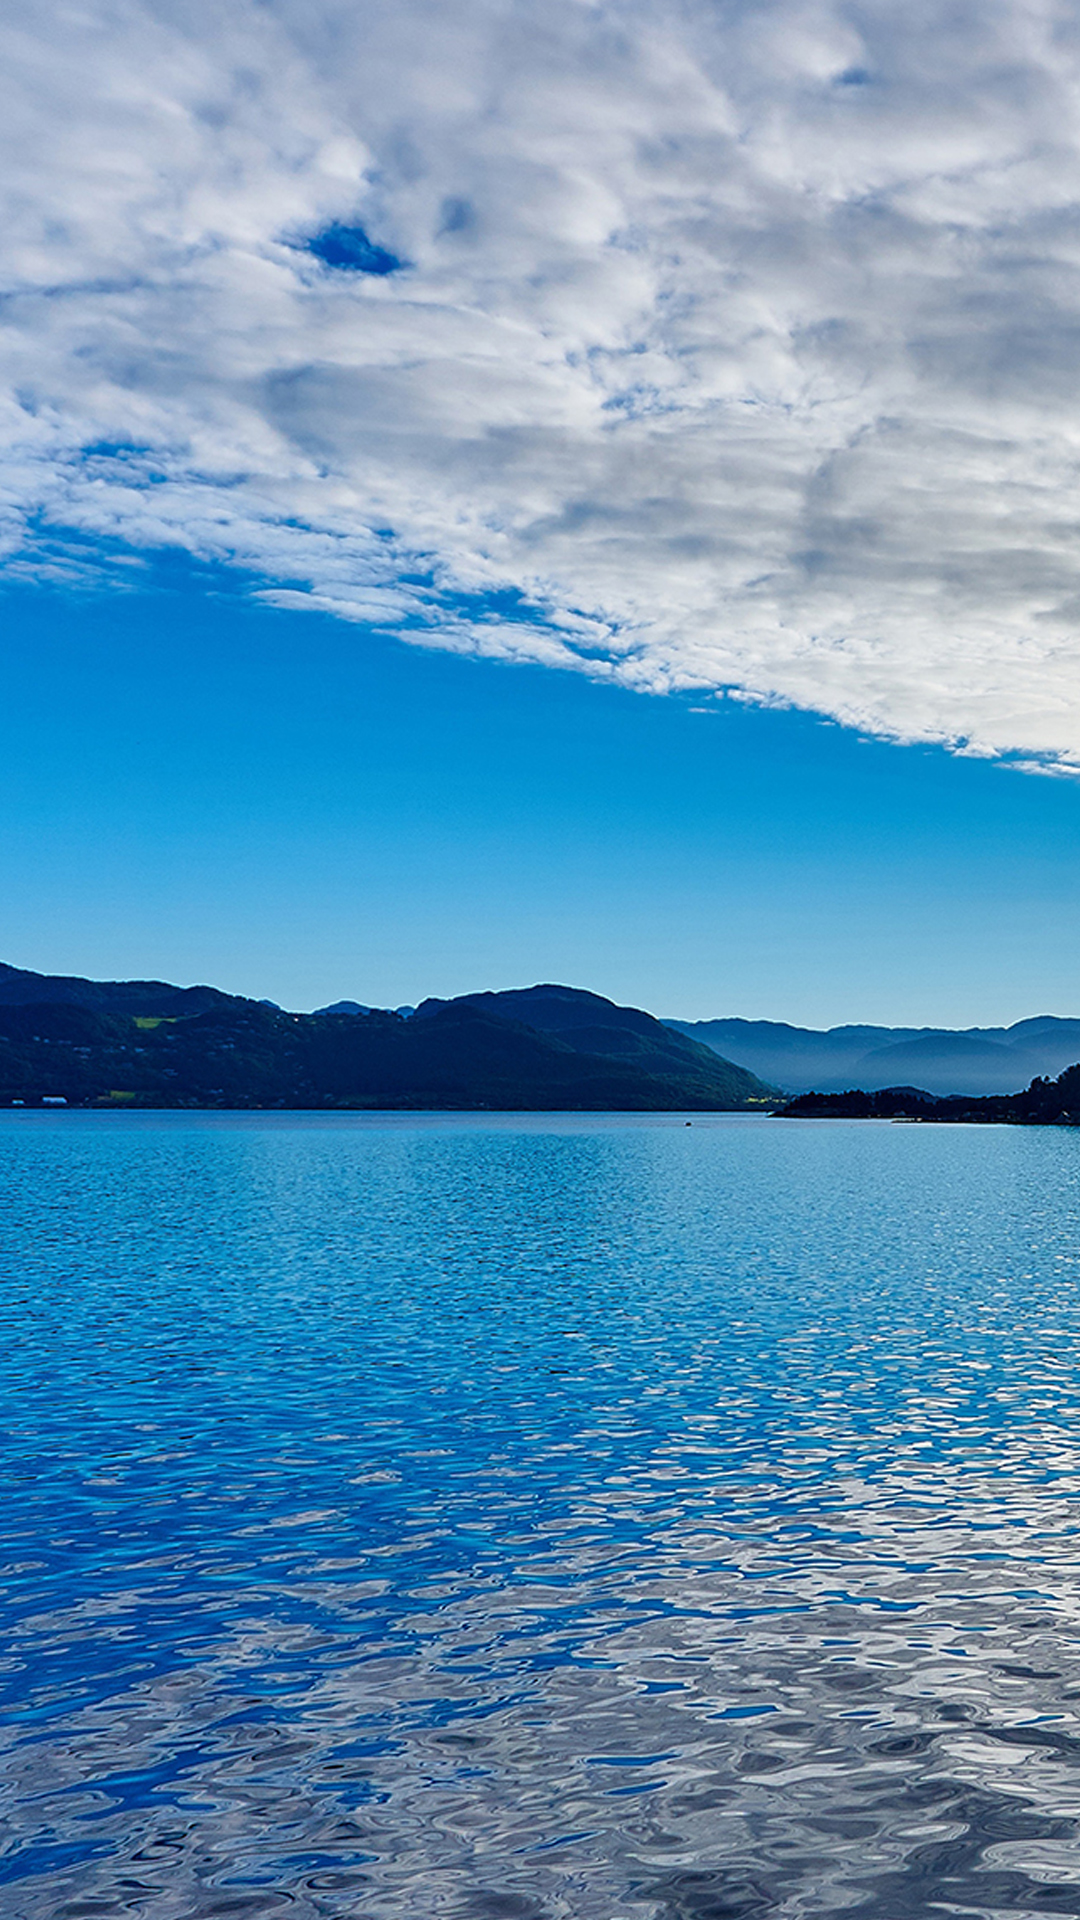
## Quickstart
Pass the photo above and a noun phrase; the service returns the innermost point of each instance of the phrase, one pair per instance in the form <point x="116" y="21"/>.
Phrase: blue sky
<point x="592" y="491"/>
<point x="197" y="786"/>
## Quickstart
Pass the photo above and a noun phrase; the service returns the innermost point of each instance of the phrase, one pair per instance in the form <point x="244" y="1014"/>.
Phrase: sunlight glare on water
<point x="571" y="1517"/>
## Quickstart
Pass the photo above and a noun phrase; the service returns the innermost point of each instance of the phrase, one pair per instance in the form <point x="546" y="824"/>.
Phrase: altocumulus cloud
<point x="704" y="345"/>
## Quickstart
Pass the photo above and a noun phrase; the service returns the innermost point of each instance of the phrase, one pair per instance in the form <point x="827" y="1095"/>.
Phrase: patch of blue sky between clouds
<point x="737" y="343"/>
<point x="349" y="250"/>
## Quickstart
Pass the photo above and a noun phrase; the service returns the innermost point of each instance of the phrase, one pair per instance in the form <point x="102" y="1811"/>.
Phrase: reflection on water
<point x="512" y="1519"/>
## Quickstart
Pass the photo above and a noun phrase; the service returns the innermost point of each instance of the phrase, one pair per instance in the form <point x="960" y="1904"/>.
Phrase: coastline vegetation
<point x="1045" y="1103"/>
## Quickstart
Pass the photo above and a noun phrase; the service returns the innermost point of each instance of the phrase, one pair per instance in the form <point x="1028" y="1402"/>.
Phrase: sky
<point x="492" y="493"/>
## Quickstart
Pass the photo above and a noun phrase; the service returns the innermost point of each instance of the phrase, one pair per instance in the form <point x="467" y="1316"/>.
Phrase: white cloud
<point x="741" y="343"/>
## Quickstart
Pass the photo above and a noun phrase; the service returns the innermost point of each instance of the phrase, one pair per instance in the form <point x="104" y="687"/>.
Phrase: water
<point x="504" y="1518"/>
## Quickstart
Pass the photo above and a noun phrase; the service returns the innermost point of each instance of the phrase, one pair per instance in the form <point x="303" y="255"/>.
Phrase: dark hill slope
<point x="239" y="1053"/>
<point x="21" y="988"/>
<point x="590" y="1024"/>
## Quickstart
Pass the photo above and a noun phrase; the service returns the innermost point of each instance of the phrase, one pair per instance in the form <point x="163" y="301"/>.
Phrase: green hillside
<point x="86" y="1044"/>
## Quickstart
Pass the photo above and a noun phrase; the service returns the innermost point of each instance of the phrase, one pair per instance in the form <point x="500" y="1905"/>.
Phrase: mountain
<point x="352" y="1006"/>
<point x="147" y="1043"/>
<point x="975" y="1061"/>
<point x="19" y="988"/>
<point x="589" y="1024"/>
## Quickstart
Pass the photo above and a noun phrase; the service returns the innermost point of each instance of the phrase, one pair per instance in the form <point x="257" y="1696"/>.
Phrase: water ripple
<point x="522" y="1519"/>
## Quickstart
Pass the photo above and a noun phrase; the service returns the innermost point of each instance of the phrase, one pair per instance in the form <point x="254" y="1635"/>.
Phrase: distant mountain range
<point x="974" y="1061"/>
<point x="146" y="1043"/>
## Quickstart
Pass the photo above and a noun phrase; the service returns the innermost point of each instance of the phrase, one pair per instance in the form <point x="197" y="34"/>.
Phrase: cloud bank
<point x="700" y="345"/>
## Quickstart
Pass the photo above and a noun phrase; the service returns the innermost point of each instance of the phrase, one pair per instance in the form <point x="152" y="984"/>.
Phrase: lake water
<point x="512" y="1517"/>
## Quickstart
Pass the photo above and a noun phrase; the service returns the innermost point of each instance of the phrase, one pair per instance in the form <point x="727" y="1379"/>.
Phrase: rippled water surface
<point x="504" y="1518"/>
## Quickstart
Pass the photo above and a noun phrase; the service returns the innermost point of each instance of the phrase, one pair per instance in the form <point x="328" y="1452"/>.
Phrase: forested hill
<point x="19" y="987"/>
<point x="150" y="1044"/>
<point x="1044" y="1103"/>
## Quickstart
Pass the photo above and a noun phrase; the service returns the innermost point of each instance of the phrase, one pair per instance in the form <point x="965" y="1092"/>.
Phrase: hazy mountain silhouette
<point x="972" y="1061"/>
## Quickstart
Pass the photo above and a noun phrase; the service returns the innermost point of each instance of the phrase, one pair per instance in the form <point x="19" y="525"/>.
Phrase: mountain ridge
<point x="68" y="1040"/>
<point x="969" y="1061"/>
